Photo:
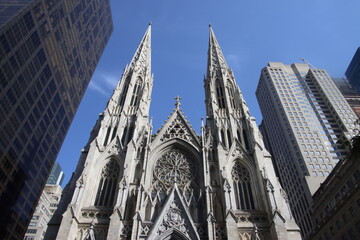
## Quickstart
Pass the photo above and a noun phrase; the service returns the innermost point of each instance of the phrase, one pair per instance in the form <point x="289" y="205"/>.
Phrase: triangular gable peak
<point x="174" y="218"/>
<point x="177" y="126"/>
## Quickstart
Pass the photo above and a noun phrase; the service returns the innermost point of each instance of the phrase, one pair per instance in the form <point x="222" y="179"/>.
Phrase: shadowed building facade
<point x="353" y="71"/>
<point x="308" y="125"/>
<point x="49" y="51"/>
<point x="174" y="184"/>
<point x="337" y="202"/>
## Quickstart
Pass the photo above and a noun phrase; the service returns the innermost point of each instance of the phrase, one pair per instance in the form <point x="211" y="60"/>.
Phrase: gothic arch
<point x="220" y="93"/>
<point x="244" y="183"/>
<point x="136" y="94"/>
<point x="174" y="161"/>
<point x="109" y="175"/>
<point x="231" y="92"/>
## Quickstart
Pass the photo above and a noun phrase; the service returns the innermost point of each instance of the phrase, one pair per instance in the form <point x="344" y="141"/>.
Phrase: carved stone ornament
<point x="237" y="152"/>
<point x="173" y="219"/>
<point x="177" y="129"/>
<point x="240" y="173"/>
<point x="174" y="167"/>
<point x="114" y="148"/>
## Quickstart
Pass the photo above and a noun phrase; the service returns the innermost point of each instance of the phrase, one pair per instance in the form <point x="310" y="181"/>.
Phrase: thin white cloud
<point x="94" y="86"/>
<point x="109" y="80"/>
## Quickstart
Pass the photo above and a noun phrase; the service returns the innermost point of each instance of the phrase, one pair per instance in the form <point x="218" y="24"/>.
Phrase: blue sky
<point x="251" y="33"/>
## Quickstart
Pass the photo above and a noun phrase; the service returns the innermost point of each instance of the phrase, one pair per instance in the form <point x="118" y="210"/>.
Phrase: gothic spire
<point x="142" y="56"/>
<point x="136" y="74"/>
<point x="216" y="59"/>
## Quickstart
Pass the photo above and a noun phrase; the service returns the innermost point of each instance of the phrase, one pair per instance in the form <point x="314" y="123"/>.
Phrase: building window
<point x="220" y="94"/>
<point x="136" y="93"/>
<point x="242" y="187"/>
<point x="108" y="184"/>
<point x="31" y="231"/>
<point x="231" y="94"/>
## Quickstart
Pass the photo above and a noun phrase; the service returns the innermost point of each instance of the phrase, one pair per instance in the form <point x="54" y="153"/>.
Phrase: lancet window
<point x="242" y="187"/>
<point x="220" y="94"/>
<point x="231" y="94"/>
<point x="246" y="140"/>
<point x="222" y="136"/>
<point x="109" y="180"/>
<point x="107" y="135"/>
<point x="238" y="132"/>
<point x="229" y="138"/>
<point x="136" y="92"/>
<point x="124" y="91"/>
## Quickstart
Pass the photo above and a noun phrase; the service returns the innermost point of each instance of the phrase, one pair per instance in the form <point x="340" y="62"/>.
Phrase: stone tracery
<point x="174" y="167"/>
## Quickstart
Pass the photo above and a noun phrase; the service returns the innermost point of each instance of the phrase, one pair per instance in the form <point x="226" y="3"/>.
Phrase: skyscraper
<point x="174" y="184"/>
<point x="308" y="124"/>
<point x="353" y="71"/>
<point x="56" y="175"/>
<point x="49" y="51"/>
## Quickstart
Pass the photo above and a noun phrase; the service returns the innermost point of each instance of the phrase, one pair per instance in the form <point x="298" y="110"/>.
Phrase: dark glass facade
<point x="56" y="176"/>
<point x="49" y="50"/>
<point x="353" y="71"/>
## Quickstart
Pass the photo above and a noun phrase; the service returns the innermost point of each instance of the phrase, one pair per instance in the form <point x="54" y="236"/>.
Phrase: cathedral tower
<point x="174" y="184"/>
<point x="244" y="197"/>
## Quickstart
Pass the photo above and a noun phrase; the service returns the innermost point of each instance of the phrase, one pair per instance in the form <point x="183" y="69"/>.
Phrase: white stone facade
<point x="174" y="184"/>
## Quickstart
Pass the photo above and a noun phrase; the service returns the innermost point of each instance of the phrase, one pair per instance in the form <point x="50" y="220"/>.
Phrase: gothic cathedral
<point x="132" y="184"/>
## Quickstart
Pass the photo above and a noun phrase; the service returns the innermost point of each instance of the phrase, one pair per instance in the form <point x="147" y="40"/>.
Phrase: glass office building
<point x="49" y="50"/>
<point x="56" y="176"/>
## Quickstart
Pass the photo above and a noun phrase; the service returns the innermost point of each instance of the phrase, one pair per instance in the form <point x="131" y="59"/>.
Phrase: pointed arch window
<point x="242" y="187"/>
<point x="114" y="133"/>
<point x="220" y="94"/>
<point x="109" y="180"/>
<point x="222" y="136"/>
<point x="231" y="94"/>
<point x="246" y="140"/>
<point x="107" y="135"/>
<point x="238" y="132"/>
<point x="124" y="91"/>
<point x="229" y="137"/>
<point x="124" y="135"/>
<point x="136" y="93"/>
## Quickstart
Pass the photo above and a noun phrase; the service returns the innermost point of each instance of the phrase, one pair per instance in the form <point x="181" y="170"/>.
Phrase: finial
<point x="177" y="102"/>
<point x="209" y="25"/>
<point x="150" y="23"/>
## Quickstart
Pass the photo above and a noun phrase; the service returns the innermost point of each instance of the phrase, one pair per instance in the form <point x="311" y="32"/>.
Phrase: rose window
<point x="174" y="167"/>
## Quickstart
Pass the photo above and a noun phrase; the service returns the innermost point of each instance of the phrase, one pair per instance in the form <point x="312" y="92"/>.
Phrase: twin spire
<point x="142" y="56"/>
<point x="141" y="66"/>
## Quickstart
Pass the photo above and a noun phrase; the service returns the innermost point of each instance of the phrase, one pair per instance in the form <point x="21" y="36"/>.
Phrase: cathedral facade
<point x="175" y="184"/>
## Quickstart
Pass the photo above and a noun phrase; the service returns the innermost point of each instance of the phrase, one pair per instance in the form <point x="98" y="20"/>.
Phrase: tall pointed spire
<point x="216" y="58"/>
<point x="139" y="68"/>
<point x="142" y="56"/>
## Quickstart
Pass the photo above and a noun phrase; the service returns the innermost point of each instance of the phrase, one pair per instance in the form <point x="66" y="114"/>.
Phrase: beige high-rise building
<point x="308" y="124"/>
<point x="45" y="208"/>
